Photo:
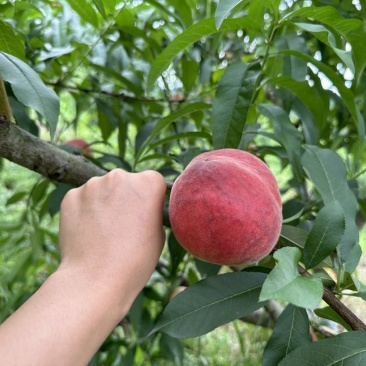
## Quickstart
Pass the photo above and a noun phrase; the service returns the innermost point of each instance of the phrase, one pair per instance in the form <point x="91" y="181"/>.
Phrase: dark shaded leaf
<point x="212" y="302"/>
<point x="231" y="104"/>
<point x="29" y="89"/>
<point x="286" y="133"/>
<point x="328" y="173"/>
<point x="290" y="332"/>
<point x="327" y="232"/>
<point x="189" y="36"/>
<point x="346" y="349"/>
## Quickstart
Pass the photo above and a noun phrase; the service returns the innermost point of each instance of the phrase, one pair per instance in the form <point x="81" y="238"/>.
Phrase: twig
<point x="342" y="310"/>
<point x="120" y="95"/>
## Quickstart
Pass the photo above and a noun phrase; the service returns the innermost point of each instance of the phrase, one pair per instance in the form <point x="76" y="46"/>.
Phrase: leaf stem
<point x="264" y="60"/>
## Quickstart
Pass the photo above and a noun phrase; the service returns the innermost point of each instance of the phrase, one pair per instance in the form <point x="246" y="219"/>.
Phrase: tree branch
<point x="342" y="310"/>
<point x="29" y="151"/>
<point x="120" y="95"/>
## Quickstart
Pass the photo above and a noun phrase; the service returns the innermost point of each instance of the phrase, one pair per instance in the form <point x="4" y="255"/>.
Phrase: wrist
<point x="97" y="287"/>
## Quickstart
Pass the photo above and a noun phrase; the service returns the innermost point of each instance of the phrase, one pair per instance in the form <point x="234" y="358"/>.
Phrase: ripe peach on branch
<point x="225" y="208"/>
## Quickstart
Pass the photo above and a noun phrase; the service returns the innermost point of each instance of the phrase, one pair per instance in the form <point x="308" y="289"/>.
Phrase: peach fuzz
<point x="225" y="208"/>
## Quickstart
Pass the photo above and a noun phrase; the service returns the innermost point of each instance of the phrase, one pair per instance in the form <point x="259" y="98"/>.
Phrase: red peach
<point x="81" y="146"/>
<point x="225" y="208"/>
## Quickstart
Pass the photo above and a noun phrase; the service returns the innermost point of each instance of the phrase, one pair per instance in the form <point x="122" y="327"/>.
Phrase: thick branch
<point x="29" y="151"/>
<point x="342" y="310"/>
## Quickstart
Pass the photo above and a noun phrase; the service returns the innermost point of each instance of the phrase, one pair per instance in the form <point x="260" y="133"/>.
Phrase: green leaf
<point x="328" y="313"/>
<point x="272" y="5"/>
<point x="207" y="269"/>
<point x="39" y="191"/>
<point x="23" y="259"/>
<point x="361" y="293"/>
<point x="292" y="210"/>
<point x="346" y="349"/>
<point x="346" y="94"/>
<point x="30" y="89"/>
<point x="183" y="135"/>
<point x="349" y="282"/>
<point x="191" y="35"/>
<point x="107" y="120"/>
<point x="212" y="302"/>
<point x="165" y="9"/>
<point x="329" y="16"/>
<point x="16" y="197"/>
<point x="166" y="121"/>
<point x="184" y="10"/>
<point x="176" y="251"/>
<point x="231" y="104"/>
<point x="287" y="134"/>
<point x="327" y="172"/>
<point x="224" y="8"/>
<point x="190" y="71"/>
<point x="350" y="29"/>
<point x="292" y="66"/>
<point x="327" y="37"/>
<point x="100" y="6"/>
<point x="310" y="129"/>
<point x="171" y="348"/>
<point x="57" y="196"/>
<point x="318" y="107"/>
<point x="10" y="42"/>
<point x="293" y="236"/>
<point x="290" y="332"/>
<point x="56" y="52"/>
<point x="285" y="283"/>
<point x="85" y="10"/>
<point x="327" y="232"/>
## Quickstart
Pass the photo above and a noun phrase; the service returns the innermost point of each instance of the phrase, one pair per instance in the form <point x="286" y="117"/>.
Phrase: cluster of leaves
<point x="156" y="83"/>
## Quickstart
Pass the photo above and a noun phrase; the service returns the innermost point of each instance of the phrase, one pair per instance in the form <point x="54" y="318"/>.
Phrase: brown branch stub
<point x="29" y="151"/>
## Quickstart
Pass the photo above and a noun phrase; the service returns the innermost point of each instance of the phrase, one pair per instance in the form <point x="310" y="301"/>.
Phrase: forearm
<point x="64" y="323"/>
<point x="111" y="237"/>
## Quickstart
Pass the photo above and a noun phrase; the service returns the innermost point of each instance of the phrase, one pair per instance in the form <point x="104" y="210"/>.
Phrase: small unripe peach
<point x="225" y="208"/>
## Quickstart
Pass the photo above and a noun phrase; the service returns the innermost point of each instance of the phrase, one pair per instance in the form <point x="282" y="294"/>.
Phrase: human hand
<point x="111" y="237"/>
<point x="111" y="230"/>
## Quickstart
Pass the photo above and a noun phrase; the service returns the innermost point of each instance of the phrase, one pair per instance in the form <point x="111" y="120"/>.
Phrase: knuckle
<point x="93" y="180"/>
<point x="69" y="197"/>
<point x="154" y="178"/>
<point x="116" y="174"/>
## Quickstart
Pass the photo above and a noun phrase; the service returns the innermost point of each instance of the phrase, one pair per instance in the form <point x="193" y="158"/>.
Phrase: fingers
<point x="147" y="183"/>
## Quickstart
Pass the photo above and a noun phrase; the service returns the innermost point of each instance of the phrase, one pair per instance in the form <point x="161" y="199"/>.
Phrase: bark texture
<point x="33" y="153"/>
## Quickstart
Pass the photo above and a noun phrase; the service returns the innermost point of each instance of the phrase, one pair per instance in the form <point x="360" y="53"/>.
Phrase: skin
<point x="111" y="237"/>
